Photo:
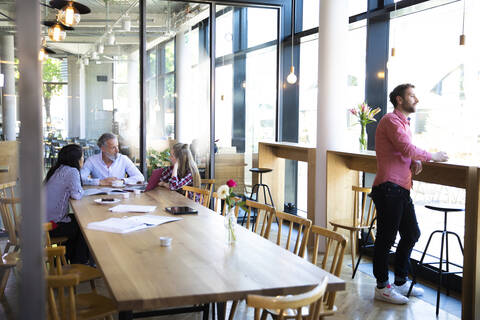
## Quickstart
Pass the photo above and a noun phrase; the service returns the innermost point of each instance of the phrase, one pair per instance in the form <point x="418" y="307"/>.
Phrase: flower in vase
<point x="223" y="191"/>
<point x="231" y="183"/>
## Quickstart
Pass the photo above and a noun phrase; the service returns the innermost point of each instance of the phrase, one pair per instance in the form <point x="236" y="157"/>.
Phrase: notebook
<point x="132" y="208"/>
<point x="130" y="224"/>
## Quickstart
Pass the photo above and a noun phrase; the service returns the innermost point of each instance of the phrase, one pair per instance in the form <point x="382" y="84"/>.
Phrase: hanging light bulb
<point x="69" y="15"/>
<point x="127" y="24"/>
<point x="462" y="36"/>
<point x="292" y="78"/>
<point x="56" y="32"/>
<point x="111" y="38"/>
<point x="100" y="48"/>
<point x="94" y="55"/>
<point x="42" y="55"/>
<point x="86" y="61"/>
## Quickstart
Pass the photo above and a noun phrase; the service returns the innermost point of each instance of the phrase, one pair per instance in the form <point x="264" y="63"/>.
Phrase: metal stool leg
<point x="440" y="274"/>
<point x="420" y="263"/>
<point x="363" y="247"/>
<point x="270" y="196"/>
<point x="251" y="198"/>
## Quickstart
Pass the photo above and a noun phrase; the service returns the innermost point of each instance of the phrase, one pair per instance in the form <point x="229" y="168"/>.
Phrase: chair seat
<point x="85" y="273"/>
<point x="58" y="240"/>
<point x="94" y="306"/>
<point x="348" y="224"/>
<point x="445" y="207"/>
<point x="10" y="259"/>
<point x="261" y="170"/>
<point x="292" y="313"/>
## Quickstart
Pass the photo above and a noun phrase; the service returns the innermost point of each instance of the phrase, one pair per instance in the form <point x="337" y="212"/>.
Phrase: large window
<point x="246" y="86"/>
<point x="446" y="76"/>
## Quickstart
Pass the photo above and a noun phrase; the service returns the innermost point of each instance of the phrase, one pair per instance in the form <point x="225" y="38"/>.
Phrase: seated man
<point x="109" y="165"/>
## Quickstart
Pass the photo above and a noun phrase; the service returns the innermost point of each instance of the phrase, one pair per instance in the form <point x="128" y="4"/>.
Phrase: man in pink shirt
<point x="397" y="158"/>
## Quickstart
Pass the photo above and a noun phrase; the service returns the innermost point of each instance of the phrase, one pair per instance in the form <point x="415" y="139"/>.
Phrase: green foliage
<point x="51" y="73"/>
<point x="157" y="160"/>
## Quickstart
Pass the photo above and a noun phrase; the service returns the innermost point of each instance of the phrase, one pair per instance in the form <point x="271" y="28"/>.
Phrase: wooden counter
<point x="342" y="172"/>
<point x="272" y="155"/>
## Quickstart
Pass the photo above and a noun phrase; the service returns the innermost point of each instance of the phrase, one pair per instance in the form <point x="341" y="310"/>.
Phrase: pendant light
<point x="42" y="55"/>
<point x="56" y="32"/>
<point x="127" y="24"/>
<point x="292" y="78"/>
<point x="462" y="36"/>
<point x="100" y="48"/>
<point x="69" y="15"/>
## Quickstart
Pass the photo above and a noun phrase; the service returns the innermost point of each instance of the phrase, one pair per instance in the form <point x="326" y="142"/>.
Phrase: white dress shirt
<point x="95" y="170"/>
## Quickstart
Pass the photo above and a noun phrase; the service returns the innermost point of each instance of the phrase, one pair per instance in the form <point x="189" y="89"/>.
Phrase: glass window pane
<point x="170" y="56"/>
<point x="224" y="31"/>
<point x="262" y="25"/>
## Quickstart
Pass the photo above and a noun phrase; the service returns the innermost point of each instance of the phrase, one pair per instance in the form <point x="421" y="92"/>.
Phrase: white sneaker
<point x="389" y="294"/>
<point x="403" y="289"/>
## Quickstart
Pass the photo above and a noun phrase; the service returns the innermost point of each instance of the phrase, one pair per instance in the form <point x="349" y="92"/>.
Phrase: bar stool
<point x="445" y="233"/>
<point x="257" y="187"/>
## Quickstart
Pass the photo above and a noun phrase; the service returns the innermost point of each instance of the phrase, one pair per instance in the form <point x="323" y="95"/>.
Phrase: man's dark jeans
<point x="395" y="213"/>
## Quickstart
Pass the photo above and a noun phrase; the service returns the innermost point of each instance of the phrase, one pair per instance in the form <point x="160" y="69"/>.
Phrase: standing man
<point x="109" y="165"/>
<point x="397" y="158"/>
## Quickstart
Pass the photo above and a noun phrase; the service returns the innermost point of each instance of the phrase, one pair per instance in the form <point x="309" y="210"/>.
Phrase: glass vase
<point x="230" y="224"/>
<point x="363" y="138"/>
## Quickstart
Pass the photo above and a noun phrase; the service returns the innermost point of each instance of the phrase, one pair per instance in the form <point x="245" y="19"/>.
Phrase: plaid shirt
<point x="165" y="174"/>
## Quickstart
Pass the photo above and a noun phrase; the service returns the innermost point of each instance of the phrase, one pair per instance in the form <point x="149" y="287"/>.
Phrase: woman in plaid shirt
<point x="182" y="172"/>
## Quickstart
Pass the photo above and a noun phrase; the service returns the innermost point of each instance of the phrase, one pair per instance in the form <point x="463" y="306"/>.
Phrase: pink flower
<point x="364" y="108"/>
<point x="353" y="111"/>
<point x="231" y="183"/>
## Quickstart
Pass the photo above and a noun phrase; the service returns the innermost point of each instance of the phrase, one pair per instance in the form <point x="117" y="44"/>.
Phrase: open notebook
<point x="129" y="224"/>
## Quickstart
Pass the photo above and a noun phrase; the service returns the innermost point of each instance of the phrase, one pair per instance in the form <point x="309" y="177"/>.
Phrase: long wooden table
<point x="342" y="173"/>
<point x="198" y="268"/>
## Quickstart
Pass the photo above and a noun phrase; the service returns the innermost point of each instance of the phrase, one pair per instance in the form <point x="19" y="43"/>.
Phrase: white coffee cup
<point x="165" y="241"/>
<point x="117" y="183"/>
<point x="136" y="191"/>
<point x="126" y="195"/>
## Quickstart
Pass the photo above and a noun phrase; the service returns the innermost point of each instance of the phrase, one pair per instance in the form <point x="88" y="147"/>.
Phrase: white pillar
<point x="332" y="87"/>
<point x="9" y="116"/>
<point x="76" y="101"/>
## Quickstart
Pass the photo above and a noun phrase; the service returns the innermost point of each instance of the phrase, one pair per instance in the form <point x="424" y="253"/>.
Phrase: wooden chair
<point x="333" y="265"/>
<point x="207" y="184"/>
<point x="75" y="306"/>
<point x="361" y="220"/>
<point x="302" y="226"/>
<point x="198" y="195"/>
<point x="262" y="226"/>
<point x="265" y="215"/>
<point x="11" y="222"/>
<point x="57" y="265"/>
<point x="8" y="261"/>
<point x="290" y="304"/>
<point x="50" y="241"/>
<point x="220" y="208"/>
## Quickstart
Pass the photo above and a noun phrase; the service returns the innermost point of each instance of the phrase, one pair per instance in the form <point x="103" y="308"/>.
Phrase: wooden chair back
<point x="265" y="215"/>
<point x="207" y="184"/>
<point x="312" y="299"/>
<point x="9" y="214"/>
<point x="338" y="242"/>
<point x="362" y="214"/>
<point x="201" y="196"/>
<point x="221" y="207"/>
<point x="65" y="287"/>
<point x="302" y="227"/>
<point x="55" y="259"/>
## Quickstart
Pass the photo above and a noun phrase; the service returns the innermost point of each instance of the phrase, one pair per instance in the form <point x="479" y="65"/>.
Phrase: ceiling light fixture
<point x="111" y="38"/>
<point x="94" y="55"/>
<point x="56" y="32"/>
<point x="127" y="24"/>
<point x="42" y="55"/>
<point x="86" y="61"/>
<point x="462" y="36"/>
<point x="292" y="78"/>
<point x="69" y="15"/>
<point x="100" y="48"/>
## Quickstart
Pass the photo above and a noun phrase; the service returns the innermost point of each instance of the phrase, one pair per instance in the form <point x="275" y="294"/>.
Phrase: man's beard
<point x="410" y="108"/>
<point x="112" y="157"/>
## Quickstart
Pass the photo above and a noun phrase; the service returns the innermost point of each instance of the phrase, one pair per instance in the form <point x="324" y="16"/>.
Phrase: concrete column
<point x="9" y="116"/>
<point x="332" y="86"/>
<point x="76" y="100"/>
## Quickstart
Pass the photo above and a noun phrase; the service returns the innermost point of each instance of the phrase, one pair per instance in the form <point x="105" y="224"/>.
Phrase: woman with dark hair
<point x="62" y="183"/>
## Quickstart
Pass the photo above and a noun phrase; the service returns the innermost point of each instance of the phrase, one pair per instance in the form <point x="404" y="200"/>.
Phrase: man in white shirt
<point x="109" y="165"/>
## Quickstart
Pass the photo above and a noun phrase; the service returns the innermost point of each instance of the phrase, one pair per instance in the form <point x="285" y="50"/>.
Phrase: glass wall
<point x="446" y="77"/>
<point x="246" y="86"/>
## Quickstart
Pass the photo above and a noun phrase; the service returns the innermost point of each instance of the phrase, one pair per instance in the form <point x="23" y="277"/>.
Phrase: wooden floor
<point x="355" y="303"/>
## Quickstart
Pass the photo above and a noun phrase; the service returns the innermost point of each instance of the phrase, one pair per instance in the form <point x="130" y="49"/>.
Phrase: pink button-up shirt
<point x="395" y="151"/>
